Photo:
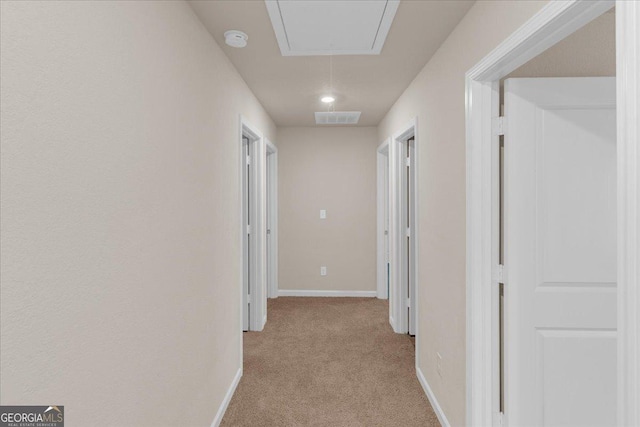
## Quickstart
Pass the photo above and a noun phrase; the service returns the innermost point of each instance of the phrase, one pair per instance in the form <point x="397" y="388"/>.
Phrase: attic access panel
<point x="344" y="27"/>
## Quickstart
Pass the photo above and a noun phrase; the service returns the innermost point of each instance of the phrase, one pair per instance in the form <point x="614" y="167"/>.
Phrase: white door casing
<point x="560" y="251"/>
<point x="383" y="220"/>
<point x="253" y="227"/>
<point x="272" y="220"/>
<point x="628" y="147"/>
<point x="403" y="269"/>
<point x="395" y="240"/>
<point x="409" y="221"/>
<point x="245" y="173"/>
<point x="551" y="24"/>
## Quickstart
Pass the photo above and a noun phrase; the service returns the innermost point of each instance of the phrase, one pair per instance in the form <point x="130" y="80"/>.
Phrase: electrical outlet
<point x="323" y="271"/>
<point x="323" y="214"/>
<point x="439" y="364"/>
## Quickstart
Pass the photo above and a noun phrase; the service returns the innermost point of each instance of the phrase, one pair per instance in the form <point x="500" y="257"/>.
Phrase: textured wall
<point x="588" y="52"/>
<point x="437" y="98"/>
<point x="334" y="169"/>
<point x="120" y="198"/>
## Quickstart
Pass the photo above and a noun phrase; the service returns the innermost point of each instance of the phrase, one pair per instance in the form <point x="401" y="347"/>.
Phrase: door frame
<point x="272" y="218"/>
<point x="397" y="233"/>
<point x="245" y="151"/>
<point x="382" y="217"/>
<point x="258" y="254"/>
<point x="552" y="23"/>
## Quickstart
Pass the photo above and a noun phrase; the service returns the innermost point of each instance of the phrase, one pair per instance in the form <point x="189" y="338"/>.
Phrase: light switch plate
<point x="323" y="271"/>
<point x="323" y="214"/>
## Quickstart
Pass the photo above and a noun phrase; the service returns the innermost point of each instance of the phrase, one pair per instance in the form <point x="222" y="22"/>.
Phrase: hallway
<point x="237" y="213"/>
<point x="328" y="362"/>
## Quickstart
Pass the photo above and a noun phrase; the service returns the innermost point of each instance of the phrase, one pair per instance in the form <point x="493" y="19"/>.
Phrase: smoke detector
<point x="338" y="117"/>
<point x="235" y="38"/>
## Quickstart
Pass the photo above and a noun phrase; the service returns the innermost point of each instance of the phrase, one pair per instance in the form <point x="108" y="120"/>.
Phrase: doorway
<point x="549" y="231"/>
<point x="409" y="196"/>
<point x="402" y="210"/>
<point x="256" y="235"/>
<point x="383" y="266"/>
<point x="272" y="220"/>
<point x="248" y="246"/>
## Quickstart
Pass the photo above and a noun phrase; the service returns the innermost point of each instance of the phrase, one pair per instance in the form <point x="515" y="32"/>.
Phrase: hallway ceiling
<point x="290" y="87"/>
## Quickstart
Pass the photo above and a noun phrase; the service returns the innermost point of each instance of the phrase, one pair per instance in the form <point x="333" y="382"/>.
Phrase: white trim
<point x="444" y="422"/>
<point x="241" y="237"/>
<point x="396" y="301"/>
<point x="275" y="15"/>
<point x="382" y="213"/>
<point x="272" y="181"/>
<point x="258" y="249"/>
<point x="306" y="293"/>
<point x="555" y="21"/>
<point x="552" y="23"/>
<point x="259" y="233"/>
<point x="397" y="231"/>
<point x="628" y="133"/>
<point x="227" y="398"/>
<point x="415" y="246"/>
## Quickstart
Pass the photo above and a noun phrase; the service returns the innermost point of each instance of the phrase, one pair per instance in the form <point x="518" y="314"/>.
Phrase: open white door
<point x="560" y="252"/>
<point x="253" y="228"/>
<point x="246" y="221"/>
<point x="403" y="230"/>
<point x="272" y="220"/>
<point x="409" y="224"/>
<point x="383" y="221"/>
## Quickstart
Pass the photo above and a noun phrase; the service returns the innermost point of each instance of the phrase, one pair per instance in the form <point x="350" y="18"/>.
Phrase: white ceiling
<point x="290" y="87"/>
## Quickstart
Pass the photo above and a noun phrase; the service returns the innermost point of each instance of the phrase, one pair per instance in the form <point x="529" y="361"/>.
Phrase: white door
<point x="560" y="252"/>
<point x="269" y="246"/>
<point x="272" y="223"/>
<point x="386" y="189"/>
<point x="246" y="244"/>
<point x="410" y="223"/>
<point x="383" y="224"/>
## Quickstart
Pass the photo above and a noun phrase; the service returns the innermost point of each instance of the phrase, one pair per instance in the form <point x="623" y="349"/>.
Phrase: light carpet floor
<point x="328" y="362"/>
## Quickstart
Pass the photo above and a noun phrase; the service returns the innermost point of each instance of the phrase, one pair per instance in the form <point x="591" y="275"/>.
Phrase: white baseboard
<point x="227" y="398"/>
<point x="305" y="293"/>
<point x="432" y="399"/>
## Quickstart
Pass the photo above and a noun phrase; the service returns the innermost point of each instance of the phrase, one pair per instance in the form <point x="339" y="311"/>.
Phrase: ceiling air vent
<point x="338" y="118"/>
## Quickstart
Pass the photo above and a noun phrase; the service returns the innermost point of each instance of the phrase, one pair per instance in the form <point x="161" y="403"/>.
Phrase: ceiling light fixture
<point x="235" y="38"/>
<point x="328" y="99"/>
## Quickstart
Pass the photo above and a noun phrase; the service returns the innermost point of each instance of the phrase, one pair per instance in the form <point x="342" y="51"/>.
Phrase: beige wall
<point x="437" y="98"/>
<point x="334" y="169"/>
<point x="588" y="52"/>
<point x="120" y="198"/>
